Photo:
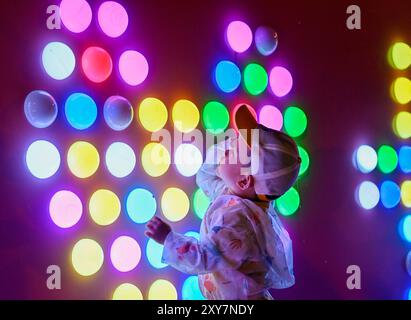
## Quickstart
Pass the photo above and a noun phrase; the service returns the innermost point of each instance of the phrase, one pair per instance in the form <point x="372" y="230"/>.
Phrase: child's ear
<point x="245" y="182"/>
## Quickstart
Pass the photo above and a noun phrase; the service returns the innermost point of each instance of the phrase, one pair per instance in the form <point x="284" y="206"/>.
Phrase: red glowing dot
<point x="97" y="64"/>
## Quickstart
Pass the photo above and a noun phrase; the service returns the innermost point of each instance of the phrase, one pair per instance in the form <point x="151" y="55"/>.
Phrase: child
<point x="243" y="249"/>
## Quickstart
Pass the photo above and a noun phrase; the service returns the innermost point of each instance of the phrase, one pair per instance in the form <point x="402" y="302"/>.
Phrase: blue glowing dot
<point x="365" y="159"/>
<point x="80" y="110"/>
<point x="42" y="159"/>
<point x="193" y="234"/>
<point x="408" y="263"/>
<point x="367" y="195"/>
<point x="191" y="289"/>
<point x="120" y="159"/>
<point x="404" y="156"/>
<point x="141" y="205"/>
<point x="154" y="252"/>
<point x="390" y="194"/>
<point x="58" y="60"/>
<point x="409" y="294"/>
<point x="405" y="228"/>
<point x="227" y="76"/>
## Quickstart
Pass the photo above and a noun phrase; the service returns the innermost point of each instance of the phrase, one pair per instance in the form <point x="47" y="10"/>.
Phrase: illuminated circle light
<point x="65" y="209"/>
<point x="80" y="110"/>
<point x="401" y="90"/>
<point x="234" y="111"/>
<point x="295" y="121"/>
<point x="133" y="67"/>
<point x="266" y="40"/>
<point x="96" y="63"/>
<point x="162" y="290"/>
<point x="404" y="158"/>
<point x="367" y="195"/>
<point x="390" y="194"/>
<point x="305" y="160"/>
<point x="75" y="14"/>
<point x="42" y="159"/>
<point x="104" y="207"/>
<point x="127" y="291"/>
<point x="191" y="289"/>
<point x="215" y="117"/>
<point x="58" y="60"/>
<point x="185" y="116"/>
<point x="255" y="79"/>
<point x="153" y="114"/>
<point x="399" y="56"/>
<point x="87" y="257"/>
<point x="188" y="159"/>
<point x="112" y="18"/>
<point x="175" y="204"/>
<point x="270" y="117"/>
<point x="405" y="228"/>
<point x="200" y="203"/>
<point x="281" y="81"/>
<point x="141" y="205"/>
<point x="83" y="159"/>
<point x="227" y="76"/>
<point x="193" y="234"/>
<point x="406" y="193"/>
<point x="154" y="253"/>
<point x="288" y="203"/>
<point x="120" y="159"/>
<point x="118" y="113"/>
<point x="365" y="159"/>
<point x="239" y="36"/>
<point x="155" y="159"/>
<point x="40" y="109"/>
<point x="125" y="253"/>
<point x="387" y="159"/>
<point x="408" y="263"/>
<point x="402" y="125"/>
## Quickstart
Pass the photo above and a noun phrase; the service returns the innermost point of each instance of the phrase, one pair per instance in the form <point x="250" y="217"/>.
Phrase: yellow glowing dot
<point x="185" y="116"/>
<point x="399" y="56"/>
<point x="104" y="207"/>
<point x="153" y="114"/>
<point x="175" y="204"/>
<point x="162" y="290"/>
<point x="87" y="257"/>
<point x="155" y="159"/>
<point x="406" y="193"/>
<point x="83" y="159"/>
<point x="127" y="291"/>
<point x="402" y="125"/>
<point x="401" y="90"/>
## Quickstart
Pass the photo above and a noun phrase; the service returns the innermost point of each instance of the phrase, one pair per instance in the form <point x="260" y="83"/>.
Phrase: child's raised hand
<point x="157" y="230"/>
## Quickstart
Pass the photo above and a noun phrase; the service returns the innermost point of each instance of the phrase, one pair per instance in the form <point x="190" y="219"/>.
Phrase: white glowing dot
<point x="58" y="60"/>
<point x="188" y="159"/>
<point x="42" y="159"/>
<point x="120" y="159"/>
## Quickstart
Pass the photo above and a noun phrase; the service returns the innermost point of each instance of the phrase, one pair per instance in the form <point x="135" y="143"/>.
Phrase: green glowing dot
<point x="200" y="203"/>
<point x="288" y="203"/>
<point x="399" y="56"/>
<point x="295" y="121"/>
<point x="255" y="79"/>
<point x="305" y="160"/>
<point x="215" y="117"/>
<point x="387" y="159"/>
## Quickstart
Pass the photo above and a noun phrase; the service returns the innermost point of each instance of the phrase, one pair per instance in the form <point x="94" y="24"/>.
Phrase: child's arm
<point x="207" y="178"/>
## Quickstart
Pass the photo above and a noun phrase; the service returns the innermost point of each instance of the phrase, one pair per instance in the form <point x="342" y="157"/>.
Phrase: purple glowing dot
<point x="75" y="15"/>
<point x="281" y="81"/>
<point x="239" y="36"/>
<point x="133" y="67"/>
<point x="112" y="18"/>
<point x="271" y="117"/>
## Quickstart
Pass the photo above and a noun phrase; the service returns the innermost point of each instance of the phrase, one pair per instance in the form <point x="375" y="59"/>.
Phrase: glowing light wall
<point x="237" y="79"/>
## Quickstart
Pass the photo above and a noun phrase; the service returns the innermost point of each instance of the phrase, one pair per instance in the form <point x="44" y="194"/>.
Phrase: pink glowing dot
<point x="112" y="18"/>
<point x="65" y="209"/>
<point x="239" y="36"/>
<point x="281" y="81"/>
<point x="133" y="67"/>
<point x="75" y="15"/>
<point x="125" y="253"/>
<point x="271" y="117"/>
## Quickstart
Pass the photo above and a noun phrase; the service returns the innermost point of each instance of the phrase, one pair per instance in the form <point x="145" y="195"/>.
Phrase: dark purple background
<point x="341" y="80"/>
